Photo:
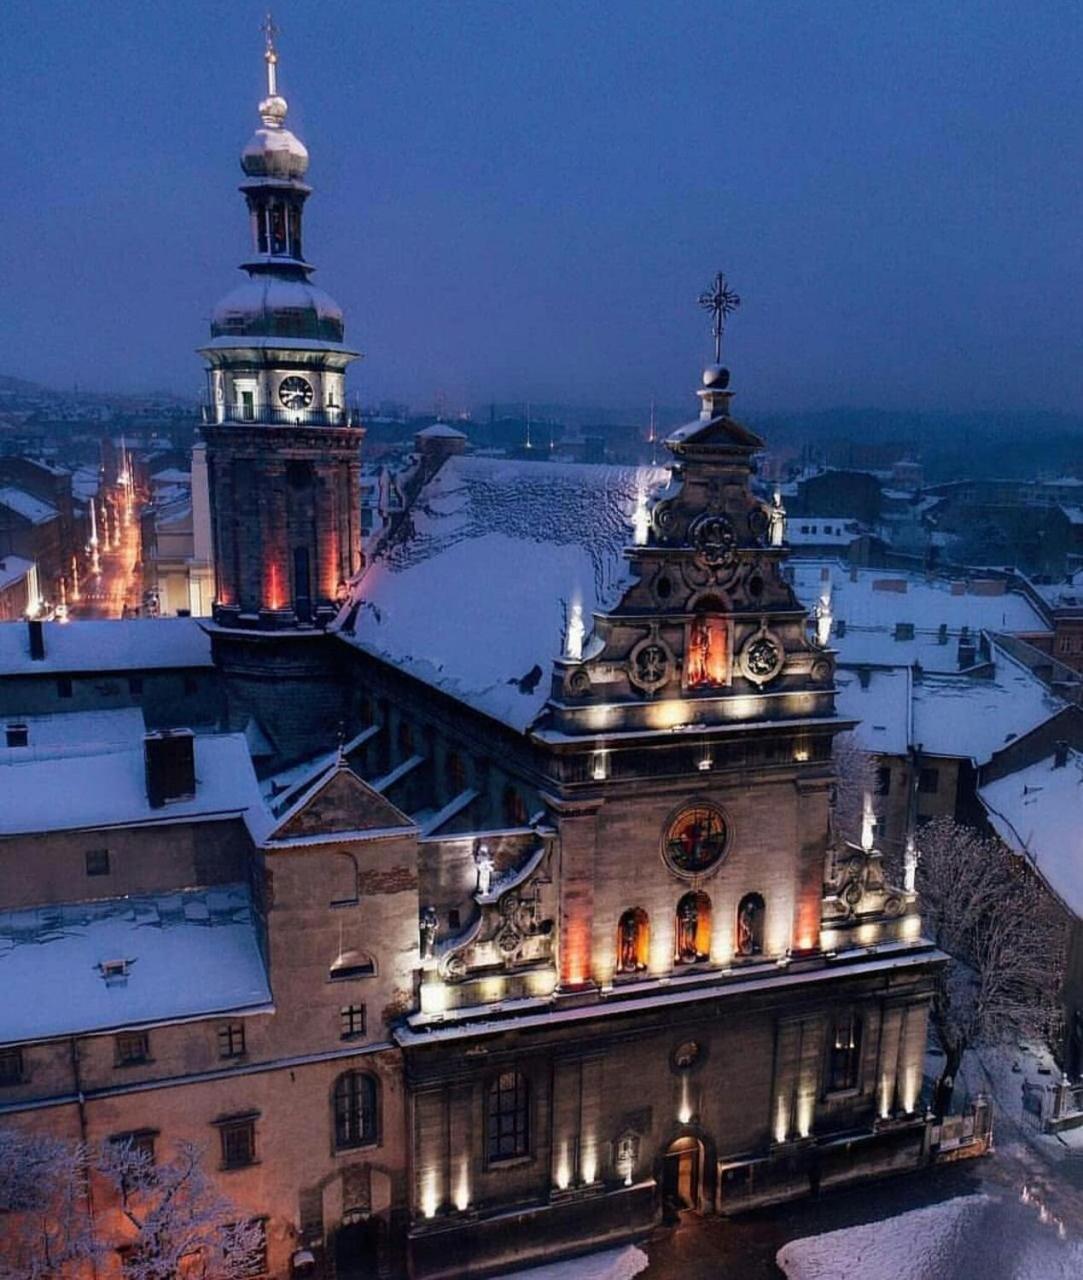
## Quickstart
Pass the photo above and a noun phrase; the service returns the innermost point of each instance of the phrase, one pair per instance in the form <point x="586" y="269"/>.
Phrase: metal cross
<point x="721" y="300"/>
<point x="269" y="32"/>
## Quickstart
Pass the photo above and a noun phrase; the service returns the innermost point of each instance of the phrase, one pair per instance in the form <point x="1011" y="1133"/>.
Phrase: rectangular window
<point x="18" y="735"/>
<point x="132" y="1048"/>
<point x="929" y="781"/>
<point x="63" y="687"/>
<point x="97" y="862"/>
<point x="508" y="1117"/>
<point x="11" y="1066"/>
<point x="352" y="1021"/>
<point x="844" y="1053"/>
<point x="255" y="1263"/>
<point x="883" y="780"/>
<point x="238" y="1142"/>
<point x="141" y="1142"/>
<point x="231" y="1040"/>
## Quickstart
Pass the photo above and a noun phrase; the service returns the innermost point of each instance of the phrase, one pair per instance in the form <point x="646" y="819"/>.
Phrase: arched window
<point x="351" y="964"/>
<point x="844" y="1052"/>
<point x="750" y="917"/>
<point x="355" y="1110"/>
<point x="693" y="928"/>
<point x="633" y="941"/>
<point x="456" y="773"/>
<point x="508" y="1117"/>
<point x="514" y="808"/>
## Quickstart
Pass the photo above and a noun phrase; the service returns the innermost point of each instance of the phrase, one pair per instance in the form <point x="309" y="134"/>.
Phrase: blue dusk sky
<point x="522" y="200"/>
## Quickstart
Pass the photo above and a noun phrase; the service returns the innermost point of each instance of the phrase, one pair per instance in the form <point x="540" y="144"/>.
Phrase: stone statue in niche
<point x="687" y="928"/>
<point x="777" y="517"/>
<point x="428" y="924"/>
<point x="484" y="860"/>
<point x="707" y="660"/>
<point x="627" y="1156"/>
<point x="750" y="925"/>
<point x="628" y="943"/>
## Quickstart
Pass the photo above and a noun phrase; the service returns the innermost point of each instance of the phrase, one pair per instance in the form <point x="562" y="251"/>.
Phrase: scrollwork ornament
<point x="714" y="538"/>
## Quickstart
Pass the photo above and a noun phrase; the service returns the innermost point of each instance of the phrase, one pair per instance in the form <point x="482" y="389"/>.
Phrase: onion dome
<point x="274" y="152"/>
<point x="269" y="306"/>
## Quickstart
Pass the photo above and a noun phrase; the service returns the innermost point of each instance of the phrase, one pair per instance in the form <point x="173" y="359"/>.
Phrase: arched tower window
<point x="355" y="1100"/>
<point x="508" y="1117"/>
<point x="693" y="928"/>
<point x="633" y="941"/>
<point x="750" y="917"/>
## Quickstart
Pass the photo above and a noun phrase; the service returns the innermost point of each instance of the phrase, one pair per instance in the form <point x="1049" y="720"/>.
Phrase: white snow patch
<point x="610" y="1264"/>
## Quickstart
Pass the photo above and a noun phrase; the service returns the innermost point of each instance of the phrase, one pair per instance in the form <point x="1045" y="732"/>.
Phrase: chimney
<point x="968" y="653"/>
<point x="169" y="756"/>
<point x="864" y="675"/>
<point x="37" y="639"/>
<point x="840" y="628"/>
<point x="1060" y="754"/>
<point x="942" y="633"/>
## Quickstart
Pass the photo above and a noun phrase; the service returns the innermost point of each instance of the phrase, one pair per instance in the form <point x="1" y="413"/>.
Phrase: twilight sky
<point x="522" y="200"/>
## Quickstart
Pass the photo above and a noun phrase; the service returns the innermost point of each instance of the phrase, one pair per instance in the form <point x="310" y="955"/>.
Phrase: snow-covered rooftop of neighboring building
<point x="13" y="569"/>
<point x="26" y="505"/>
<point x="440" y="431"/>
<point x="187" y="954"/>
<point x="129" y="644"/>
<point x="872" y="602"/>
<point x="473" y="601"/>
<point x="171" y="475"/>
<point x="108" y="788"/>
<point x="1038" y="811"/>
<point x="72" y="733"/>
<point x="969" y="717"/>
<point x="1064" y="595"/>
<point x="822" y="531"/>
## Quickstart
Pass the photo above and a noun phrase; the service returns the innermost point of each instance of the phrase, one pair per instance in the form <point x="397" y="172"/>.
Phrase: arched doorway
<point x="682" y="1173"/>
<point x="357" y="1250"/>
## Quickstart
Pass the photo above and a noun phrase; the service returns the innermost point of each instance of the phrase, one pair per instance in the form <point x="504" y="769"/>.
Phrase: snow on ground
<point x="986" y="1236"/>
<point x="610" y="1264"/>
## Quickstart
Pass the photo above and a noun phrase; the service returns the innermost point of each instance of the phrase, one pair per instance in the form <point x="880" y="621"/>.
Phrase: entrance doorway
<point x="357" y="1250"/>
<point x="682" y="1171"/>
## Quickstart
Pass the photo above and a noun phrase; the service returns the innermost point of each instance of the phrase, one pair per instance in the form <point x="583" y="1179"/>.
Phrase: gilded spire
<point x="272" y="109"/>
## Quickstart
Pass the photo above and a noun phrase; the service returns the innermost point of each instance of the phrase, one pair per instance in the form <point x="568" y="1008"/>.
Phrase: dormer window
<point x="115" y="972"/>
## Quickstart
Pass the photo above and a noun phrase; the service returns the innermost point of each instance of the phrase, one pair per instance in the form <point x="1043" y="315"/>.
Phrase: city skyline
<point x="523" y="204"/>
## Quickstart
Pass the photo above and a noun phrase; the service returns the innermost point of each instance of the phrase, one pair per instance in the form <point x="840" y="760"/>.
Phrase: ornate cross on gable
<point x="721" y="301"/>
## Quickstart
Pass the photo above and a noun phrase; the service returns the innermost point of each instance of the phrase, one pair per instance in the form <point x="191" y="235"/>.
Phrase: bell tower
<point x="283" y="447"/>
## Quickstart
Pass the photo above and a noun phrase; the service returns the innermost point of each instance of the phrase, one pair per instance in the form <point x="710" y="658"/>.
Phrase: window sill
<point x="370" y="1145"/>
<point x="236" y="1168"/>
<point x="508" y="1162"/>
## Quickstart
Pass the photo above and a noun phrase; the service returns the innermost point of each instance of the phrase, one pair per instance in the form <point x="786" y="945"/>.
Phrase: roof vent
<point x="170" y="761"/>
<point x="115" y="972"/>
<point x="37" y="638"/>
<point x="904" y="631"/>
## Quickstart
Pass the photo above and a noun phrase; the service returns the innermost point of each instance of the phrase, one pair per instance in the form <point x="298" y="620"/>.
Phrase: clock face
<point x="696" y="839"/>
<point x="295" y="392"/>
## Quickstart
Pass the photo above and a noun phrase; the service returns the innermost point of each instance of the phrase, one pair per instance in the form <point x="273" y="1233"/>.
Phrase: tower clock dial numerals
<point x="295" y="392"/>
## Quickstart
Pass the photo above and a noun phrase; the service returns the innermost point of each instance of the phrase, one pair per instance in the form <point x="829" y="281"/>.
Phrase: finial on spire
<point x="721" y="301"/>
<point x="270" y="54"/>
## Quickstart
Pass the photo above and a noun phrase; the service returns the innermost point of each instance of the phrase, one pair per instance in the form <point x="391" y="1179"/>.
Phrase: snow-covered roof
<point x="1038" y="811"/>
<point x="969" y="717"/>
<point x="440" y="431"/>
<point x="473" y="601"/>
<point x="1064" y="595"/>
<point x="185" y="955"/>
<point x="26" y="505"/>
<point x="13" y="569"/>
<point x="872" y="602"/>
<point x="822" y="531"/>
<point x="129" y="644"/>
<point x="72" y="733"/>
<point x="880" y="700"/>
<point x="171" y="475"/>
<point x="108" y="788"/>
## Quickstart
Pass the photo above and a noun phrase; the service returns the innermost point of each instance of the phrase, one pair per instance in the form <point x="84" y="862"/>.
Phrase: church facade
<point x="521" y="834"/>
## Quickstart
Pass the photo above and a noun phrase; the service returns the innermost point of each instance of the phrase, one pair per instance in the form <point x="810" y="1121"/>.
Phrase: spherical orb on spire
<point x="274" y="152"/>
<point x="716" y="375"/>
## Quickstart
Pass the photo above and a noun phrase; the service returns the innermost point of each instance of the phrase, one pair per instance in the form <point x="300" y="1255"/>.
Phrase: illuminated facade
<point x="282" y="444"/>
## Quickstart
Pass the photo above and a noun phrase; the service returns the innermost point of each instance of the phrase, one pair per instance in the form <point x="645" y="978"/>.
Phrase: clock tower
<point x="283" y="447"/>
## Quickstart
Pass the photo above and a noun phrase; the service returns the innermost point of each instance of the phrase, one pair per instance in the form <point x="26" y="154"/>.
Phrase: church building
<point x="502" y="900"/>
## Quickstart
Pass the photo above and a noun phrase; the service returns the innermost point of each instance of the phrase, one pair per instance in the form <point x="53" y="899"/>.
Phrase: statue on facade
<point x="628" y="939"/>
<point x="484" y="860"/>
<point x="777" y="521"/>
<point x="428" y="924"/>
<point x="687" y="928"/>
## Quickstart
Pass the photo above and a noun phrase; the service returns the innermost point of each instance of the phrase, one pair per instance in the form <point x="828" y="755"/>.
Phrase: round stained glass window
<point x="695" y="839"/>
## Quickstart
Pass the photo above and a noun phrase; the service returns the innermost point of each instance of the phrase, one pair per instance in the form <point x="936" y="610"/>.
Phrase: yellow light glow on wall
<point x="829" y="940"/>
<point x="661" y="946"/>
<point x="589" y="1167"/>
<point x="491" y="989"/>
<point x="867" y="934"/>
<point x="433" y="997"/>
<point x="910" y="927"/>
<point x="429" y="1197"/>
<point x="885" y="1096"/>
<point x="564" y="1172"/>
<point x="669" y="714"/>
<point x="782" y="1119"/>
<point x="684" y="1111"/>
<point x="462" y="1191"/>
<point x="542" y="982"/>
<point x="911" y="1077"/>
<point x="779" y="926"/>
<point x="805" y="1107"/>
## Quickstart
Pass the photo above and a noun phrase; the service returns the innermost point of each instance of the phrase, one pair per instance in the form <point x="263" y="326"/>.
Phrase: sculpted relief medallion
<point x="650" y="664"/>
<point x="714" y="538"/>
<point x="762" y="657"/>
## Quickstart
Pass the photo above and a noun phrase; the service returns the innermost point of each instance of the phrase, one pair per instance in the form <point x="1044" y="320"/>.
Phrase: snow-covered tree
<point x="1007" y="938"/>
<point x="177" y="1221"/>
<point x="45" y="1230"/>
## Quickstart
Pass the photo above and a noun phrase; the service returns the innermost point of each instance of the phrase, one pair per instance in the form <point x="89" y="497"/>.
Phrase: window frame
<point x="347" y="1018"/>
<point x="11" y="1079"/>
<point x="851" y="1083"/>
<point x="349" y="1130"/>
<point x="228" y="1034"/>
<point x="101" y="864"/>
<point x="124" y="1058"/>
<point x="520" y="1113"/>
<point x="229" y="1127"/>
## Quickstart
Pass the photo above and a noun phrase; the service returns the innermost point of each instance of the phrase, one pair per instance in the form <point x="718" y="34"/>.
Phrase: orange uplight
<point x="576" y="953"/>
<point x="807" y="931"/>
<point x="331" y="573"/>
<point x="274" y="587"/>
<point x="708" y="651"/>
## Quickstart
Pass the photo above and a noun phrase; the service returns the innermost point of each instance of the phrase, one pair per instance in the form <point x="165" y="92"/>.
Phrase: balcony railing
<point x="273" y="415"/>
